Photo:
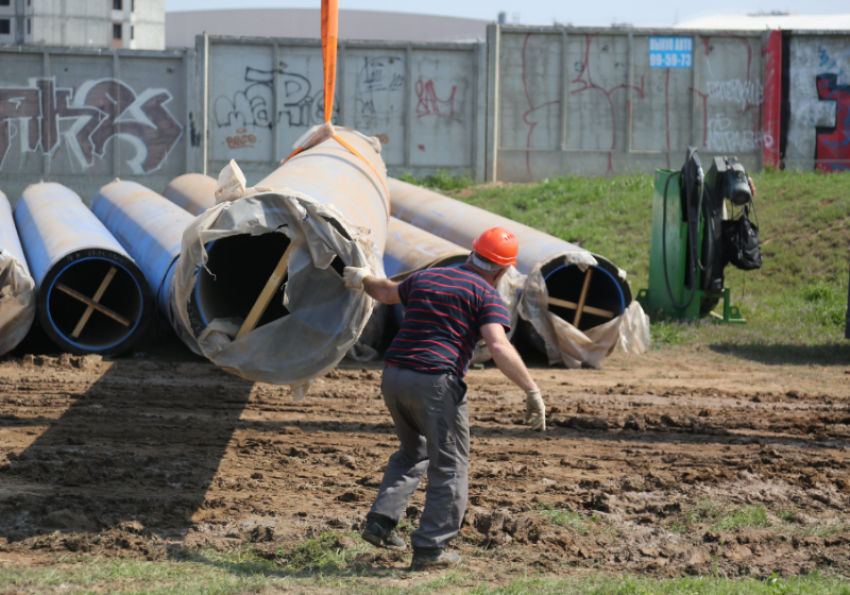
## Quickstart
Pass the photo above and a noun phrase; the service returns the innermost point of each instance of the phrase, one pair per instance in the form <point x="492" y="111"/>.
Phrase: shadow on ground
<point x="831" y="354"/>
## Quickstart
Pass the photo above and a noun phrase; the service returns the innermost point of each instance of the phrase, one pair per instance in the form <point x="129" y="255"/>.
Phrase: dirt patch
<point x="658" y="465"/>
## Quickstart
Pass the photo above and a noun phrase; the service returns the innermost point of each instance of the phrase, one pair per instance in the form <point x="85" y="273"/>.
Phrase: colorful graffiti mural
<point x="833" y="144"/>
<point x="41" y="116"/>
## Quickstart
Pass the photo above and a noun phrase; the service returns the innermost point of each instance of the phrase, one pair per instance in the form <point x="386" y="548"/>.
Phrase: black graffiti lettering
<point x="254" y="104"/>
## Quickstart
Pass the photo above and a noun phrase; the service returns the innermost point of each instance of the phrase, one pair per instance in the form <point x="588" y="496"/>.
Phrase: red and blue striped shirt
<point x="446" y="308"/>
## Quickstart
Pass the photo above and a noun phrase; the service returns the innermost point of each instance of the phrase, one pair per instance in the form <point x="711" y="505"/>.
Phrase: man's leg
<point x="444" y="416"/>
<point x="407" y="465"/>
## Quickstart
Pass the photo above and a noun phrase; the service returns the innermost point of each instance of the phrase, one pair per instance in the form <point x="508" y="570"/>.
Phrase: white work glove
<point x="535" y="410"/>
<point x="354" y="276"/>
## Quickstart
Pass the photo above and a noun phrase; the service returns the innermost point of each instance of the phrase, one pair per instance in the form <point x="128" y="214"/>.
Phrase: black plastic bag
<point x="741" y="242"/>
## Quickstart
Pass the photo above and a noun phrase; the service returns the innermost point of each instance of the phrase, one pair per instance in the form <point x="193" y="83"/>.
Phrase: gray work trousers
<point x="432" y="423"/>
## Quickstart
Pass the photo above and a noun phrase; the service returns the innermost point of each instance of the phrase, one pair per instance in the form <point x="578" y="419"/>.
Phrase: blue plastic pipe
<point x="70" y="251"/>
<point x="149" y="226"/>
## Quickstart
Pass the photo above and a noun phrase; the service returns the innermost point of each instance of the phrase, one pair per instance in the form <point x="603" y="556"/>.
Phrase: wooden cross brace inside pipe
<point x="269" y="290"/>
<point x="93" y="303"/>
<point x="581" y="307"/>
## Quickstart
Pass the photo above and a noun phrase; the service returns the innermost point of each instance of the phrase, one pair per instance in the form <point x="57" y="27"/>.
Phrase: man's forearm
<point x="512" y="366"/>
<point x="382" y="290"/>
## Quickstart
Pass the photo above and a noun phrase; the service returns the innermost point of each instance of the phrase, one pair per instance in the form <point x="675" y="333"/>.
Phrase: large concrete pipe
<point x="585" y="300"/>
<point x="17" y="287"/>
<point x="192" y="192"/>
<point x="149" y="227"/>
<point x="410" y="249"/>
<point x="259" y="280"/>
<point x="92" y="298"/>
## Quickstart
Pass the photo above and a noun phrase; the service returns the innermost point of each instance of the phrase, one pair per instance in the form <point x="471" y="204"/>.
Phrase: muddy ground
<point x="678" y="462"/>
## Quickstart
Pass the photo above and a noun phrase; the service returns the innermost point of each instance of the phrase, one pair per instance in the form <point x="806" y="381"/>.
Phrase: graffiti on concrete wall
<point x="40" y="117"/>
<point x="253" y="105"/>
<point x="833" y="143"/>
<point x="818" y="97"/>
<point x="379" y="95"/>
<point x="725" y="137"/>
<point x="428" y="103"/>
<point x="745" y="94"/>
<point x="585" y="82"/>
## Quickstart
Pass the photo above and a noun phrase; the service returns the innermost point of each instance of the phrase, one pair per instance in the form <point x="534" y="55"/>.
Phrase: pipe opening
<point x="604" y="299"/>
<point x="241" y="266"/>
<point x="122" y="298"/>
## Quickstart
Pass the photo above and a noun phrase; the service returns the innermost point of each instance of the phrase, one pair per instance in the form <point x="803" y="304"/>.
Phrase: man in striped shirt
<point x="448" y="311"/>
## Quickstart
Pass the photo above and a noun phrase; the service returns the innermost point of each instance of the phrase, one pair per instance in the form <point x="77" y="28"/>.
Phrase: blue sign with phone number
<point x="671" y="52"/>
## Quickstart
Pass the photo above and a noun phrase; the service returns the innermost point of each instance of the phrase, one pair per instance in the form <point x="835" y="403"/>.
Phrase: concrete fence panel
<point x="425" y="102"/>
<point x="816" y="99"/>
<point x="597" y="102"/>
<point x="83" y="117"/>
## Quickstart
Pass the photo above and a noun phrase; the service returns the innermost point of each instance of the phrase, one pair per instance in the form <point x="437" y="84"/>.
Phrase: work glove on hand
<point x="354" y="276"/>
<point x="535" y="410"/>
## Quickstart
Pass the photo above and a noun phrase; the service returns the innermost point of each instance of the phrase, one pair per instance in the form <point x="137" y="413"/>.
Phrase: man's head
<point x="494" y="251"/>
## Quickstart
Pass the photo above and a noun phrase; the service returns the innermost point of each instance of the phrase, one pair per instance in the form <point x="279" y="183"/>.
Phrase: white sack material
<point x="365" y="348"/>
<point x="17" y="302"/>
<point x="509" y="288"/>
<point x="566" y="344"/>
<point x="324" y="318"/>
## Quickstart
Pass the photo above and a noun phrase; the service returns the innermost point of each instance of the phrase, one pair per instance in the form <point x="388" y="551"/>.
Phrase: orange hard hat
<point x="497" y="244"/>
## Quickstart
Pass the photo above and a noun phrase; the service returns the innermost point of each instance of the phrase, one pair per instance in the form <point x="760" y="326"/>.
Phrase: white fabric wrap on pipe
<point x="17" y="301"/>
<point x="509" y="289"/>
<point x="566" y="344"/>
<point x="462" y="223"/>
<point x="275" y="352"/>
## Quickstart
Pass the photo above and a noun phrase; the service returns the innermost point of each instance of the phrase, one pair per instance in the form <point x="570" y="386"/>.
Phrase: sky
<point x="644" y="13"/>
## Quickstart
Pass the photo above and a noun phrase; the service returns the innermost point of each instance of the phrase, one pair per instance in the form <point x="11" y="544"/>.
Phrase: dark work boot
<point x="431" y="559"/>
<point x="380" y="531"/>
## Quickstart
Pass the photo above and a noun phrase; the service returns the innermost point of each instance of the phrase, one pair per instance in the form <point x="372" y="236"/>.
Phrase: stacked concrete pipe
<point x="194" y="193"/>
<point x="293" y="233"/>
<point x="91" y="296"/>
<point x="150" y="228"/>
<point x="17" y="287"/>
<point x="608" y="294"/>
<point x="410" y="249"/>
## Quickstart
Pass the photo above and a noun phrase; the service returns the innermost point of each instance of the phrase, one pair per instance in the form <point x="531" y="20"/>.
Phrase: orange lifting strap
<point x="330" y="37"/>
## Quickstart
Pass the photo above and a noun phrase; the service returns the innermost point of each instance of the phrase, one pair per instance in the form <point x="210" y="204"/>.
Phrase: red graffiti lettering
<point x="431" y="105"/>
<point x="832" y="152"/>
<point x="99" y="111"/>
<point x="585" y="82"/>
<point x="241" y="141"/>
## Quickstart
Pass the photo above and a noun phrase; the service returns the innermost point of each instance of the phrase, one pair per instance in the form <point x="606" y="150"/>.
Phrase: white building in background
<point x="133" y="24"/>
<point x="306" y="22"/>
<point x="762" y="21"/>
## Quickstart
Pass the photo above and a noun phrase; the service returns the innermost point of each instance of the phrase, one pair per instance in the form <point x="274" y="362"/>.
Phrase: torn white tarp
<point x="509" y="288"/>
<point x="17" y="301"/>
<point x="17" y="287"/>
<point x="324" y="318"/>
<point x="566" y="344"/>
